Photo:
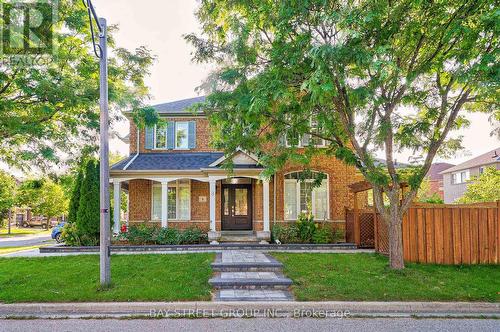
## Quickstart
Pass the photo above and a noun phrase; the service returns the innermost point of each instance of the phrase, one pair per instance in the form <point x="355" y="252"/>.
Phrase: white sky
<point x="160" y="24"/>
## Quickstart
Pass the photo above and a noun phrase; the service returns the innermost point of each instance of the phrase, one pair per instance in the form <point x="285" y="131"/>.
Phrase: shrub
<point x="322" y="235"/>
<point x="88" y="215"/>
<point x="140" y="234"/>
<point x="70" y="235"/>
<point x="193" y="236"/>
<point x="286" y="233"/>
<point x="306" y="228"/>
<point x="167" y="236"/>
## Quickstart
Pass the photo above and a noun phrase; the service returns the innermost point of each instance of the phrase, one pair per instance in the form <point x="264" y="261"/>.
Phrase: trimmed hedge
<point x="142" y="234"/>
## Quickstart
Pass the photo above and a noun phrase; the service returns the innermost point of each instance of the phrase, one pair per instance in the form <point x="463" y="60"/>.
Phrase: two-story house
<point x="455" y="179"/>
<point x="435" y="177"/>
<point x="175" y="179"/>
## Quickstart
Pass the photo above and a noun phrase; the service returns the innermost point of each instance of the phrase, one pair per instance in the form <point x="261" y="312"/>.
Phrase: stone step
<point x="252" y="295"/>
<point x="272" y="266"/>
<point x="250" y="280"/>
<point x="239" y="239"/>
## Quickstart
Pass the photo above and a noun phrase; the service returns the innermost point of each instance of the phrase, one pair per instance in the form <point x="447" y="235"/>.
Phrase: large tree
<point x="43" y="196"/>
<point x="363" y="75"/>
<point x="50" y="108"/>
<point x="7" y="194"/>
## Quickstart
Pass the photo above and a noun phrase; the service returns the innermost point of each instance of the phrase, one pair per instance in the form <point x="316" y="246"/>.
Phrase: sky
<point x="160" y="25"/>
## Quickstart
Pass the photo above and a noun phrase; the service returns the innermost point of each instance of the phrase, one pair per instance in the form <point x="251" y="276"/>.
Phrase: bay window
<point x="179" y="200"/>
<point x="301" y="197"/>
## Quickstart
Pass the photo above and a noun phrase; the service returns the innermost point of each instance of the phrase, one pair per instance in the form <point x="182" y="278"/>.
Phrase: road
<point x="255" y="324"/>
<point x="27" y="240"/>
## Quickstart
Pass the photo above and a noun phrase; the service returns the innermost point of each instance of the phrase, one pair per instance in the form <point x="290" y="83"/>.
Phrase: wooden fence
<point x="366" y="228"/>
<point x="447" y="234"/>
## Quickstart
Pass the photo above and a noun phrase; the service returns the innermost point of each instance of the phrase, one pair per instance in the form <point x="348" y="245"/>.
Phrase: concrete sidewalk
<point x="334" y="309"/>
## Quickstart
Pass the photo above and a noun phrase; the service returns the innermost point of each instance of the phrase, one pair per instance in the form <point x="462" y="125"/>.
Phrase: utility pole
<point x="105" y="239"/>
<point x="100" y="50"/>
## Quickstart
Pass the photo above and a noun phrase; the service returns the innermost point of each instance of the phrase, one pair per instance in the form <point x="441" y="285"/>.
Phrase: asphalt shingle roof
<point x="490" y="157"/>
<point x="434" y="173"/>
<point x="178" y="106"/>
<point x="169" y="161"/>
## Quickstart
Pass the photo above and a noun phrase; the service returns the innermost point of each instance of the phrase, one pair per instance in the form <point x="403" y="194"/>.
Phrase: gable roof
<point x="489" y="157"/>
<point x="168" y="161"/>
<point x="434" y="173"/>
<point x="248" y="158"/>
<point x="178" y="106"/>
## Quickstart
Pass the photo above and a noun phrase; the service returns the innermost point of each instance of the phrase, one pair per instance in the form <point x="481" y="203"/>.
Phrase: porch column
<point x="164" y="203"/>
<point x="212" y="205"/>
<point x="116" y="207"/>
<point x="266" y="205"/>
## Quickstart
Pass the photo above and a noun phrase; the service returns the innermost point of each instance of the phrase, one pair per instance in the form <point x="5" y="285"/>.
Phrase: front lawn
<point x="14" y="231"/>
<point x="365" y="277"/>
<point x="173" y="277"/>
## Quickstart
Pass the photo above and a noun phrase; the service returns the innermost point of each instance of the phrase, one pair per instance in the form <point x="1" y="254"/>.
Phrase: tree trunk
<point x="396" y="243"/>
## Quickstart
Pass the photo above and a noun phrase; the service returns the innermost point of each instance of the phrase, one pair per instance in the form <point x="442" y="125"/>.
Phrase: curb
<point x="333" y="309"/>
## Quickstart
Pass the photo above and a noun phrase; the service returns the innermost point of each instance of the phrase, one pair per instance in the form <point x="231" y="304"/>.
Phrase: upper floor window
<point x="178" y="135"/>
<point x="460" y="177"/>
<point x="310" y="139"/>
<point x="301" y="197"/>
<point x="181" y="135"/>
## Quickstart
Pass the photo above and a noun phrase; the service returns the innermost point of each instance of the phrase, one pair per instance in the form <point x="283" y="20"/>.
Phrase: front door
<point x="236" y="207"/>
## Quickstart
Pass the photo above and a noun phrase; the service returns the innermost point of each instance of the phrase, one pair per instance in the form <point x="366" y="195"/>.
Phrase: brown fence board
<point x="438" y="236"/>
<point x="448" y="234"/>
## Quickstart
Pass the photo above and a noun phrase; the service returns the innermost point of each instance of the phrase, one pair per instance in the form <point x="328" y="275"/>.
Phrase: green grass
<point x="182" y="277"/>
<point x="14" y="231"/>
<point x="366" y="277"/>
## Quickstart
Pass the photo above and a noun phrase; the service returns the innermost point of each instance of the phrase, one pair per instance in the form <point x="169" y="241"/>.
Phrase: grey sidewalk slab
<point x="251" y="309"/>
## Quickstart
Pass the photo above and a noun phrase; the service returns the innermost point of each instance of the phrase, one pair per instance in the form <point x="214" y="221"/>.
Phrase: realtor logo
<point x="27" y="27"/>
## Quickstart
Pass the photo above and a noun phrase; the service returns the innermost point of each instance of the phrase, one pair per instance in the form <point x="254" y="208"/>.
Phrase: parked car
<point x="40" y="221"/>
<point x="57" y="232"/>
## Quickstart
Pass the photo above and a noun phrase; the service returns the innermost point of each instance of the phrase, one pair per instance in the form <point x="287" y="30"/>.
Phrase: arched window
<point x="301" y="197"/>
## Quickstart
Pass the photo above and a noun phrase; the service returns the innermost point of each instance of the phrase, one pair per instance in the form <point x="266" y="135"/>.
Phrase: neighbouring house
<point x="455" y="178"/>
<point x="435" y="178"/>
<point x="175" y="179"/>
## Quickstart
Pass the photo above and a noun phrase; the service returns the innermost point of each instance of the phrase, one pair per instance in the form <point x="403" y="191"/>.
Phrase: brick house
<point x="174" y="179"/>
<point x="436" y="178"/>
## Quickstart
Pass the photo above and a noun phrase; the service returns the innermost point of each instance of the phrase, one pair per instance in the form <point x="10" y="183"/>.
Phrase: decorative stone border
<point x="205" y="247"/>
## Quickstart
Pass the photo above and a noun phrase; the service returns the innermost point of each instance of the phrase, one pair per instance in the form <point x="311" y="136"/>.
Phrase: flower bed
<point x="305" y="230"/>
<point x="143" y="234"/>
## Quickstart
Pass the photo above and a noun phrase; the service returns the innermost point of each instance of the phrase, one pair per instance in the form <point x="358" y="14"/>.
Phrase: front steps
<point x="249" y="276"/>
<point x="238" y="237"/>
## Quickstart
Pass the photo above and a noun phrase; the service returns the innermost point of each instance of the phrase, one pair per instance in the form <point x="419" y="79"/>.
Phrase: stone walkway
<point x="249" y="276"/>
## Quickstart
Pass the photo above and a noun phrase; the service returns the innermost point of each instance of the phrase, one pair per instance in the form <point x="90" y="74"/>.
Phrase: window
<point x="481" y="170"/>
<point x="160" y="135"/>
<point x="181" y="135"/>
<point x="460" y="177"/>
<point x="301" y="197"/>
<point x="308" y="139"/>
<point x="179" y="200"/>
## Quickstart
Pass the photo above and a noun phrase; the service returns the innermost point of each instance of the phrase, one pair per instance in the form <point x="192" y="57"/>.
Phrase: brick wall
<point x="203" y="135"/>
<point x="339" y="176"/>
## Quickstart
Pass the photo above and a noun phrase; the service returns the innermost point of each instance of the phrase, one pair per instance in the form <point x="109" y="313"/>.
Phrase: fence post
<point x="375" y="228"/>
<point x="357" y="236"/>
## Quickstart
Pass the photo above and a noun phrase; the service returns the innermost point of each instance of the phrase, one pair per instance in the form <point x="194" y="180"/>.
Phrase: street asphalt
<point x="255" y="324"/>
<point x="28" y="240"/>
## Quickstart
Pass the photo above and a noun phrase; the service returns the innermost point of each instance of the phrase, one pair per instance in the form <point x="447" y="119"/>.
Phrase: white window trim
<point x="313" y="196"/>
<point x="172" y="184"/>
<point x="299" y="145"/>
<point x="175" y="135"/>
<point x="459" y="176"/>
<point x="154" y="139"/>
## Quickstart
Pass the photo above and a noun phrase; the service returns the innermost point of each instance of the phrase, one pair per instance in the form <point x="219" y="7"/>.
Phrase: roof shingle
<point x="490" y="157"/>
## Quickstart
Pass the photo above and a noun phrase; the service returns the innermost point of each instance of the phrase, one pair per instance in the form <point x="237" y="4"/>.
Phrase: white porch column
<point x="116" y="207"/>
<point x="212" y="205"/>
<point x="164" y="203"/>
<point x="266" y="205"/>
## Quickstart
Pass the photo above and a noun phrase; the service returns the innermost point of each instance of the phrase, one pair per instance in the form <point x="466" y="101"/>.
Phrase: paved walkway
<point x="249" y="276"/>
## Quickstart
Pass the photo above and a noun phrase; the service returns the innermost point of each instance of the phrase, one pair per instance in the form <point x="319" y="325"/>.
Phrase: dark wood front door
<point x="236" y="207"/>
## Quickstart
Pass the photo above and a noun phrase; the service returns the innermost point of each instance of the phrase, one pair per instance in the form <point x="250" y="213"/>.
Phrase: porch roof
<point x="172" y="162"/>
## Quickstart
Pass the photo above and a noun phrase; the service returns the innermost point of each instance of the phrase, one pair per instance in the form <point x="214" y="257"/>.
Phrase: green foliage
<point x="74" y="202"/>
<point x="43" y="196"/>
<point x="70" y="235"/>
<point x="424" y="194"/>
<point x="485" y="188"/>
<point x="51" y="108"/>
<point x="88" y="215"/>
<point x="7" y="193"/>
<point x="306" y="231"/>
<point x="142" y="234"/>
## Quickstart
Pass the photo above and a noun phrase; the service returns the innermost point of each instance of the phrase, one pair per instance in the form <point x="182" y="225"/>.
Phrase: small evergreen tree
<point x="74" y="203"/>
<point x="87" y="219"/>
